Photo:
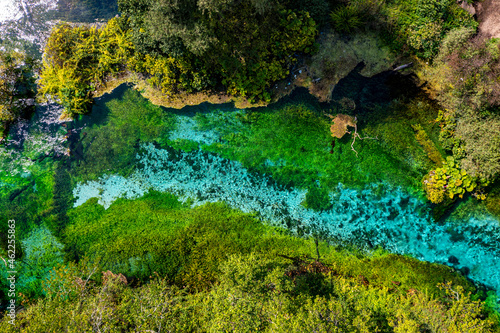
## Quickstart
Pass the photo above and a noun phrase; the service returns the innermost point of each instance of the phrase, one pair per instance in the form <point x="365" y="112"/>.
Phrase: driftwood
<point x="339" y="128"/>
<point x="402" y="67"/>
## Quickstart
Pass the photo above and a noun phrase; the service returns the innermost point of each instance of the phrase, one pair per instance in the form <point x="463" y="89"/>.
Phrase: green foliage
<point x="188" y="47"/>
<point x="255" y="293"/>
<point x="172" y="75"/>
<point x="184" y="47"/>
<point x="162" y="28"/>
<point x="78" y="60"/>
<point x="265" y="53"/>
<point x="467" y="72"/>
<point x="455" y="39"/>
<point x="168" y="29"/>
<point x="475" y="71"/>
<point x="481" y="138"/>
<point x="317" y="9"/>
<point x="347" y="19"/>
<point x="448" y="123"/>
<point x="449" y="181"/>
<point x="492" y="307"/>
<point x="474" y="140"/>
<point x="422" y="24"/>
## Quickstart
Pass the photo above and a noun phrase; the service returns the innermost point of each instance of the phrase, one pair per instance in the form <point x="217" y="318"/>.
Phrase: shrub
<point x="454" y="40"/>
<point x="78" y="60"/>
<point x="481" y="138"/>
<point x="449" y="181"/>
<point x="422" y="24"/>
<point x="347" y="19"/>
<point x="476" y="69"/>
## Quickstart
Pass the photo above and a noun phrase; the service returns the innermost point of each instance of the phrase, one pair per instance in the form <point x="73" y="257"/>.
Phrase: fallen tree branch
<point x="356" y="135"/>
<point x="402" y="67"/>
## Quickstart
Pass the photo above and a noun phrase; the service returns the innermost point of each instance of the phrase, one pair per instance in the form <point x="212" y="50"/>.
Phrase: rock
<point x="110" y="276"/>
<point x="465" y="270"/>
<point x="468" y="7"/>
<point x="453" y="260"/>
<point x="340" y="124"/>
<point x="488" y="16"/>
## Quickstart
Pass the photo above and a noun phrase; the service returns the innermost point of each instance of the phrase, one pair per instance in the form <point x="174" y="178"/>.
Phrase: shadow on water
<point x="379" y="89"/>
<point x="366" y="92"/>
<point x="203" y="108"/>
<point x="369" y="94"/>
<point x="99" y="114"/>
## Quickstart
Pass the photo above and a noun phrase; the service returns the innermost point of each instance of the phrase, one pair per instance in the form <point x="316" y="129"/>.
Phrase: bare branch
<point x="356" y="135"/>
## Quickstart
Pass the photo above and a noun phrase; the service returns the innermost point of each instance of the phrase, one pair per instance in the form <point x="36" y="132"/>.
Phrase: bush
<point x="255" y="293"/>
<point x="454" y="40"/>
<point x="78" y="60"/>
<point x="422" y="24"/>
<point x="481" y="138"/>
<point x="476" y="68"/>
<point x="347" y="19"/>
<point x="450" y="181"/>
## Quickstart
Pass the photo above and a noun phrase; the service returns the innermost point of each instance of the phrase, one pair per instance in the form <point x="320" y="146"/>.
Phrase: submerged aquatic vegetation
<point x="391" y="219"/>
<point x="108" y="142"/>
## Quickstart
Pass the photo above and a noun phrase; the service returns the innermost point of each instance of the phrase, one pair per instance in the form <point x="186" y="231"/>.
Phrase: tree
<point x="78" y="60"/>
<point x="195" y="45"/>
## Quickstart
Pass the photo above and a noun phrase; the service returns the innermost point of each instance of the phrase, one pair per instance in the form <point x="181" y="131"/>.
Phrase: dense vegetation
<point x="156" y="262"/>
<point x="213" y="268"/>
<point x="244" y="47"/>
<point x="177" y="51"/>
<point x="465" y="76"/>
